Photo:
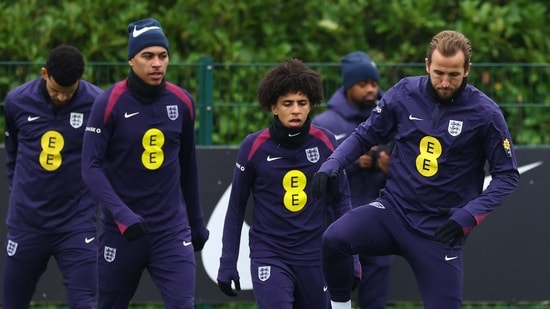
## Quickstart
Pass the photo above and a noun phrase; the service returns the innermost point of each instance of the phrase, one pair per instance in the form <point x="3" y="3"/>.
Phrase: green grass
<point x="502" y="305"/>
<point x="247" y="305"/>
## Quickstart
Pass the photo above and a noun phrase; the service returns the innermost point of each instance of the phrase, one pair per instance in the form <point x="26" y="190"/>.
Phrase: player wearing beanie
<point x="140" y="162"/>
<point x="350" y="105"/>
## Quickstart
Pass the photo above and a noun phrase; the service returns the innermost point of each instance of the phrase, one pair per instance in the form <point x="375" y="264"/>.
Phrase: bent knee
<point x="336" y="240"/>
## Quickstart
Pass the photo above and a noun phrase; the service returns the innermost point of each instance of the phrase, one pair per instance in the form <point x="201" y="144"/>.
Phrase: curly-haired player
<point x="276" y="165"/>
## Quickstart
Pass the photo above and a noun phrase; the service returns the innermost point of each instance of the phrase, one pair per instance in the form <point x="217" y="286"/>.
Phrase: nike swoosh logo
<point x="186" y="243"/>
<point x="292" y="135"/>
<point x="450" y="258"/>
<point x="88" y="240"/>
<point x="325" y="288"/>
<point x="126" y="115"/>
<point x="212" y="250"/>
<point x="141" y="31"/>
<point x="411" y="117"/>
<point x="340" y="136"/>
<point x="31" y="118"/>
<point x="269" y="158"/>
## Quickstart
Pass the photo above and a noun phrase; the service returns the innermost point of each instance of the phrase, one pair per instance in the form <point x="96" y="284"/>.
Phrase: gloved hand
<point x="136" y="231"/>
<point x="450" y="232"/>
<point x="225" y="287"/>
<point x="319" y="184"/>
<point x="199" y="240"/>
<point x="328" y="170"/>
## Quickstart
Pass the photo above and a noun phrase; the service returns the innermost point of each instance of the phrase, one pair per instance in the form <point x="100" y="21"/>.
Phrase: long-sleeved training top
<point x="440" y="153"/>
<point x="287" y="222"/>
<point x="43" y="153"/>
<point x="139" y="158"/>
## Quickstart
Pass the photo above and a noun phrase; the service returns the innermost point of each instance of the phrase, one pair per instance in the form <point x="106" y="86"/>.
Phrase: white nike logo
<point x="126" y="115"/>
<point x="270" y="158"/>
<point x="139" y="32"/>
<point x="292" y="135"/>
<point x="340" y="136"/>
<point x="88" y="240"/>
<point x="31" y="118"/>
<point x="325" y="288"/>
<point x="450" y="258"/>
<point x="186" y="243"/>
<point x="212" y="250"/>
<point x="411" y="117"/>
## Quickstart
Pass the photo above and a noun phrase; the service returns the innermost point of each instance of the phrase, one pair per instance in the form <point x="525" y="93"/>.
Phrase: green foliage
<point x="266" y="31"/>
<point x="31" y="28"/>
<point x="271" y="30"/>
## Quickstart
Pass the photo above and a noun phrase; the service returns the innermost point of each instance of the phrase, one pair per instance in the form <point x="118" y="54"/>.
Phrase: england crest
<point x="455" y="127"/>
<point x="109" y="254"/>
<point x="264" y="272"/>
<point x="172" y="111"/>
<point x="312" y="154"/>
<point x="76" y="120"/>
<point x="11" y="247"/>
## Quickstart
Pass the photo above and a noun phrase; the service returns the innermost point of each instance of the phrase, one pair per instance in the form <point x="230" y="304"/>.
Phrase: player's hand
<point x="319" y="184"/>
<point x="136" y="231"/>
<point x="328" y="170"/>
<point x="199" y="240"/>
<point x="225" y="287"/>
<point x="383" y="161"/>
<point x="366" y="161"/>
<point x="450" y="232"/>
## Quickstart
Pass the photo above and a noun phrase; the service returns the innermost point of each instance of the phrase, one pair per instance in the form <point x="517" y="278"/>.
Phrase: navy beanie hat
<point x="357" y="66"/>
<point x="144" y="33"/>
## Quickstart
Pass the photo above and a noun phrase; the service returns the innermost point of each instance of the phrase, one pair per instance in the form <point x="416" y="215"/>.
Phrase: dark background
<point x="506" y="257"/>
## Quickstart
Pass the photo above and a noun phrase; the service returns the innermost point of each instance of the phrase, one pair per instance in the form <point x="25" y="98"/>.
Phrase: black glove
<point x="199" y="241"/>
<point x="319" y="184"/>
<point x="136" y="231"/>
<point x="355" y="283"/>
<point x="225" y="287"/>
<point x="329" y="169"/>
<point x="449" y="233"/>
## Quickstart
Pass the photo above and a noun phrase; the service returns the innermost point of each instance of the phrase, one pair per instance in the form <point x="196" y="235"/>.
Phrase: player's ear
<point x="467" y="69"/>
<point x="274" y="109"/>
<point x="427" y="61"/>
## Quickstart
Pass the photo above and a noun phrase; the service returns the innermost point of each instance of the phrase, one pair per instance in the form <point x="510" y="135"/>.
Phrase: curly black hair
<point x="290" y="76"/>
<point x="65" y="65"/>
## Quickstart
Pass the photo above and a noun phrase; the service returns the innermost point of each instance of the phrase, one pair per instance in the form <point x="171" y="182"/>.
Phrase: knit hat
<point x="144" y="33"/>
<point x="356" y="67"/>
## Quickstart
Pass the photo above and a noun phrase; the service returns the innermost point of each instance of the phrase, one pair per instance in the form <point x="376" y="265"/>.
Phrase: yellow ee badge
<point x="507" y="148"/>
